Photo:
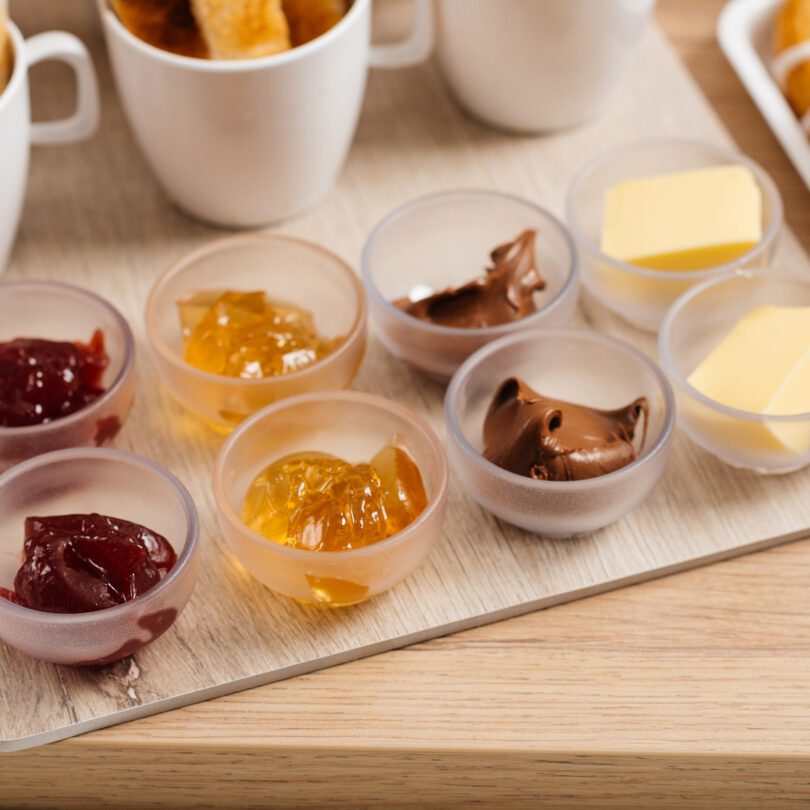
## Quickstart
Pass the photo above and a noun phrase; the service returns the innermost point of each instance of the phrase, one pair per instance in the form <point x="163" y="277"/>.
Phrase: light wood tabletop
<point x="690" y="691"/>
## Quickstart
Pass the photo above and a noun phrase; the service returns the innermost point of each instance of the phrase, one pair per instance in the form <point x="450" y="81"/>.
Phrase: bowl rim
<point x="362" y="399"/>
<point x="184" y="559"/>
<point x="732" y="156"/>
<point x="672" y="369"/>
<point x="568" y="288"/>
<point x="158" y="344"/>
<point x="225" y="66"/>
<point x="124" y="373"/>
<point x="559" y="333"/>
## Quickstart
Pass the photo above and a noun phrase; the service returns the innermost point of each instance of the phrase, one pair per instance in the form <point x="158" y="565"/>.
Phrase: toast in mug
<point x="228" y="29"/>
<point x="242" y="29"/>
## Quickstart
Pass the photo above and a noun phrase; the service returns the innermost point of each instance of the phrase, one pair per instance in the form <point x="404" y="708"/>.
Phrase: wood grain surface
<point x="686" y="691"/>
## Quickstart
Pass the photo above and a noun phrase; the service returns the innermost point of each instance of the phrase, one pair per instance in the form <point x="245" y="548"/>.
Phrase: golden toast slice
<point x="309" y="19"/>
<point x="6" y="56"/>
<point x="166" y="24"/>
<point x="242" y="29"/>
<point x="792" y="27"/>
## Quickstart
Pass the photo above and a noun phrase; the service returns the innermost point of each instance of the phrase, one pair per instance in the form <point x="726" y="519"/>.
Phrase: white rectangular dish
<point x="745" y="31"/>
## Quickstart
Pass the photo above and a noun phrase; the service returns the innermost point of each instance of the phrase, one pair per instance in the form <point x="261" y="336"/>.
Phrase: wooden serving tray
<point x="95" y="217"/>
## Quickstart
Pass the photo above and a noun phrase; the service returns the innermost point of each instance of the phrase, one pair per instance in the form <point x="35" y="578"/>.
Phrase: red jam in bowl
<point x="82" y="563"/>
<point x="44" y="380"/>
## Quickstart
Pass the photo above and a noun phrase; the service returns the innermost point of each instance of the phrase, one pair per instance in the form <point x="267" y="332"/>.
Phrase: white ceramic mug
<point x="249" y="142"/>
<point x="536" y="65"/>
<point x="17" y="133"/>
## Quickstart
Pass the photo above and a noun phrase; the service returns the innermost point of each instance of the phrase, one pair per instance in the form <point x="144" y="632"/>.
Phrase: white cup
<point x="17" y="132"/>
<point x="536" y="65"/>
<point x="248" y="142"/>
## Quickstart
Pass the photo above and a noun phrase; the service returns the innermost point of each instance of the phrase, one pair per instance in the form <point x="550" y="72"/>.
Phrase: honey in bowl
<point x="320" y="503"/>
<point x="249" y="336"/>
<point x="229" y="29"/>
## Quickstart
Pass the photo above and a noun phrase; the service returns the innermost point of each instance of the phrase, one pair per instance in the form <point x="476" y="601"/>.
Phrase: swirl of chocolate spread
<point x="550" y="440"/>
<point x="504" y="294"/>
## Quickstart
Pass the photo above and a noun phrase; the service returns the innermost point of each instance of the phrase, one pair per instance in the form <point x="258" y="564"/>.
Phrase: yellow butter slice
<point x="685" y="220"/>
<point x="762" y="366"/>
<point x="793" y="397"/>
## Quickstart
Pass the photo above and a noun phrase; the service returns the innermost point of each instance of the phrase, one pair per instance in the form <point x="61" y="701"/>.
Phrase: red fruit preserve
<point x="44" y="380"/>
<point x="82" y="563"/>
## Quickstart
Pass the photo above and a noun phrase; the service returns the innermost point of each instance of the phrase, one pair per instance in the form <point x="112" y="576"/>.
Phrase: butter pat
<point x="792" y="397"/>
<point x="763" y="366"/>
<point x="684" y="221"/>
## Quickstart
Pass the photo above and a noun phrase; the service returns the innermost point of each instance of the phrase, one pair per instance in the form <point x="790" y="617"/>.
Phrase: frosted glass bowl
<point x="47" y="309"/>
<point x="444" y="240"/>
<point x="353" y="426"/>
<point x="694" y="326"/>
<point x="113" y="483"/>
<point x="574" y="365"/>
<point x="640" y="295"/>
<point x="287" y="269"/>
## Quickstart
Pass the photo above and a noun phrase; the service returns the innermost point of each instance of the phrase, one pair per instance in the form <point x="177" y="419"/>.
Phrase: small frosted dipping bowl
<point x="289" y="270"/>
<point x="353" y="426"/>
<point x="640" y="295"/>
<point x="444" y="240"/>
<point x="111" y="483"/>
<point x="577" y="366"/>
<point x="694" y="326"/>
<point x="46" y="309"/>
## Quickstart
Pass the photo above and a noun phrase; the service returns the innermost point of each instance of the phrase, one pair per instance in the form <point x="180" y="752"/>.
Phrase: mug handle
<point x="66" y="48"/>
<point x="414" y="49"/>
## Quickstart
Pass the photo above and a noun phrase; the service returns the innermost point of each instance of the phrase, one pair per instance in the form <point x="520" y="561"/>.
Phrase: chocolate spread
<point x="550" y="440"/>
<point x="504" y="294"/>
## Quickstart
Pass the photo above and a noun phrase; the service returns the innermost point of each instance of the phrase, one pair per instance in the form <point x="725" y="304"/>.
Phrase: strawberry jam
<point x="82" y="563"/>
<point x="43" y="380"/>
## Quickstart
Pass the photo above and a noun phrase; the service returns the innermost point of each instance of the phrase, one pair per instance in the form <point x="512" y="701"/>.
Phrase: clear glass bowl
<point x="639" y="295"/>
<point x="109" y="482"/>
<point x="444" y="240"/>
<point x="574" y="365"/>
<point x="353" y="426"/>
<point x="287" y="269"/>
<point x="693" y="327"/>
<point x="46" y="309"/>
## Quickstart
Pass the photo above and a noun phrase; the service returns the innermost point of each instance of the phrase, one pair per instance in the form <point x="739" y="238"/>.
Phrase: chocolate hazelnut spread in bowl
<point x="560" y="431"/>
<point x="450" y="272"/>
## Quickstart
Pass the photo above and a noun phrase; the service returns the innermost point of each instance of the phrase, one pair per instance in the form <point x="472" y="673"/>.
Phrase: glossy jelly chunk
<point x="44" y="380"/>
<point x="318" y="502"/>
<point x="83" y="563"/>
<point x="246" y="335"/>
